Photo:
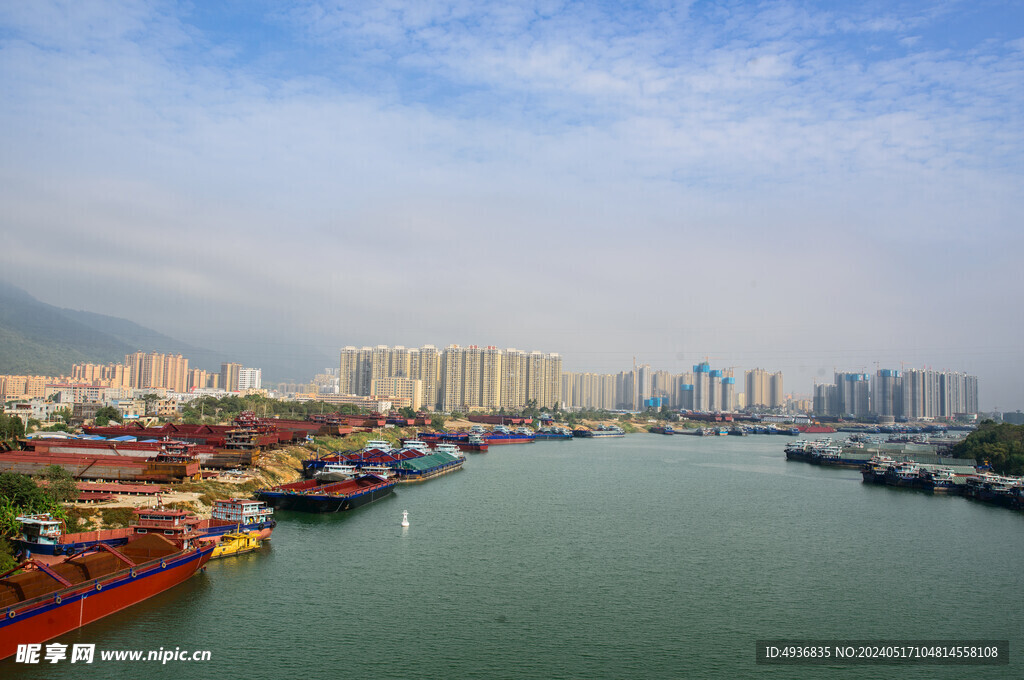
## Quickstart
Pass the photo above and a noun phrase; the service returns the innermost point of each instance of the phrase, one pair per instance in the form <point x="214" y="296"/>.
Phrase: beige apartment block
<point x="409" y="392"/>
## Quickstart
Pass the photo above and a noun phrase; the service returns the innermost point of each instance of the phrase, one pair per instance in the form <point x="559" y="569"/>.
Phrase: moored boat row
<point x="43" y="539"/>
<point x="978" y="484"/>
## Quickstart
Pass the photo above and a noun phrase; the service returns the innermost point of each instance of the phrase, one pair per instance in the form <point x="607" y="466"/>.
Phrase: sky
<point x="795" y="186"/>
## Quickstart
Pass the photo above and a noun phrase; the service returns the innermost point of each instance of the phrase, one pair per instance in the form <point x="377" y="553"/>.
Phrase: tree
<point x="20" y="495"/>
<point x="7" y="561"/>
<point x="64" y="414"/>
<point x="107" y="413"/>
<point x="11" y="427"/>
<point x="1001" y="445"/>
<point x="60" y="484"/>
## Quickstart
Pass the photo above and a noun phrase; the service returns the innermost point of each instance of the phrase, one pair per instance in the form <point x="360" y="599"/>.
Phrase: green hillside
<point x="40" y="339"/>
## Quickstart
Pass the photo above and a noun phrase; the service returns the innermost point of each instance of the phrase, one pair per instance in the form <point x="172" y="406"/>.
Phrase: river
<point x="645" y="556"/>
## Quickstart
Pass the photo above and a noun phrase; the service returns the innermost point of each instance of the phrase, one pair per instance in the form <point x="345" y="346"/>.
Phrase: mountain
<point x="40" y="339"/>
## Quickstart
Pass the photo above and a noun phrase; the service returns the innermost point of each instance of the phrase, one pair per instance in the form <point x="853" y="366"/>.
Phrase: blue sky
<point x="797" y="186"/>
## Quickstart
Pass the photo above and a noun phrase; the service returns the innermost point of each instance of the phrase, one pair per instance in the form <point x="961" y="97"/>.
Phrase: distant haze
<point x="794" y="186"/>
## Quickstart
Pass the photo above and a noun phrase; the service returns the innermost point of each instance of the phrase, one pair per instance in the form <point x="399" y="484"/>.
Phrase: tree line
<point x="1001" y="445"/>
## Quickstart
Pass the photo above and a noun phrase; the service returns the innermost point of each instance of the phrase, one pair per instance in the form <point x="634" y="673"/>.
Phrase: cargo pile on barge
<point x="40" y="602"/>
<point x="311" y="495"/>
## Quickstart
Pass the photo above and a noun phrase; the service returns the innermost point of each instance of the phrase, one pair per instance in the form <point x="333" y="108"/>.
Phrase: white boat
<point x="382" y="471"/>
<point x="416" y="445"/>
<point x="378" y="444"/>
<point x="450" y="449"/>
<point x="336" y="472"/>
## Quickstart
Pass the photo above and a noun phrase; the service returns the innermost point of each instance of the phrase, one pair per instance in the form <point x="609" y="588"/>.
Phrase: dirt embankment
<point x="277" y="466"/>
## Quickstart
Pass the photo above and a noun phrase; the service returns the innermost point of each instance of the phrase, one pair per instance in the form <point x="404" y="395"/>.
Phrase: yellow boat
<point x="236" y="544"/>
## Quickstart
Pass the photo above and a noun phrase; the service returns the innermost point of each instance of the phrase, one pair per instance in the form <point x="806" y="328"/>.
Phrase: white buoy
<point x="405" y="518"/>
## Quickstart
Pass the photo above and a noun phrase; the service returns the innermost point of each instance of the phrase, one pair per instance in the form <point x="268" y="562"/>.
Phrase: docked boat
<point x="42" y="537"/>
<point x="903" y="474"/>
<point x="374" y="448"/>
<point x="466" y="441"/>
<point x="407" y="465"/>
<point x="662" y="429"/>
<point x="237" y="543"/>
<point x="553" y="433"/>
<point x="312" y="496"/>
<point x="874" y="470"/>
<point x="434" y="464"/>
<point x="40" y="602"/>
<point x="450" y="449"/>
<point x="938" y="480"/>
<point x="382" y="471"/>
<point x="992" y="488"/>
<point x="502" y="435"/>
<point x="336" y="472"/>
<point x="600" y="431"/>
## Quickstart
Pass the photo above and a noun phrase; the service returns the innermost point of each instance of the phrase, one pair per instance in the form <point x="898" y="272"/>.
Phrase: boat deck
<point x="33" y="583"/>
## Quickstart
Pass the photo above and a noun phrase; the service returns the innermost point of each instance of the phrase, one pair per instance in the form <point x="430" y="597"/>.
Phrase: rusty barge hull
<point x="96" y="466"/>
<point x="208" y="456"/>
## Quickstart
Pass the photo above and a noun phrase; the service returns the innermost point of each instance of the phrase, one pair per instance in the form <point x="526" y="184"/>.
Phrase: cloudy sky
<point x="798" y="186"/>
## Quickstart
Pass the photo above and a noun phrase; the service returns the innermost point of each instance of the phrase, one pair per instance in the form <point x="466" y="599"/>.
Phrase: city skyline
<point x="804" y="187"/>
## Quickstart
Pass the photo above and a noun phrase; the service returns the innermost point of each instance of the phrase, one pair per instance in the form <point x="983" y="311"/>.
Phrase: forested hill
<point x="1001" y="444"/>
<point x="39" y="339"/>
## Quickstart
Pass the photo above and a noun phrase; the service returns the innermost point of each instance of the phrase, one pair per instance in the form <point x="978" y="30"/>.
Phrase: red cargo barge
<point x="161" y="468"/>
<point x="43" y="602"/>
<point x="312" y="496"/>
<point x="207" y="455"/>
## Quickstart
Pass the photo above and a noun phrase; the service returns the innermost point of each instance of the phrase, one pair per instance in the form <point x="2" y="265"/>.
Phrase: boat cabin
<point x="241" y="510"/>
<point x="176" y="525"/>
<point x="40" y="529"/>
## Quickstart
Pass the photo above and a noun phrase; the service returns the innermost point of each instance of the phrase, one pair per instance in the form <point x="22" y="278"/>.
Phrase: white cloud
<point x="477" y="153"/>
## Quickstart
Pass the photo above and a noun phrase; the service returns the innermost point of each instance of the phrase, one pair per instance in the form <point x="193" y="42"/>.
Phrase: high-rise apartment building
<point x="425" y="365"/>
<point x="852" y="394"/>
<point x="490" y="377"/>
<point x="763" y="389"/>
<point x="589" y="391"/>
<point x="776" y="391"/>
<point x="702" y="387"/>
<point x="728" y="391"/>
<point x="229" y="376"/>
<point x="457" y="378"/>
<point x="887" y="393"/>
<point x="348" y="370"/>
<point x="452" y="398"/>
<point x="156" y="370"/>
<point x="250" y="378"/>
<point x="513" y="378"/>
<point x="543" y="379"/>
<point x="399" y="388"/>
<point x="920" y="393"/>
<point x="913" y="394"/>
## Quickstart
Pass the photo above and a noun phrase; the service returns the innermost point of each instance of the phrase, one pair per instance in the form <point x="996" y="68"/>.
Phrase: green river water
<point x="645" y="556"/>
